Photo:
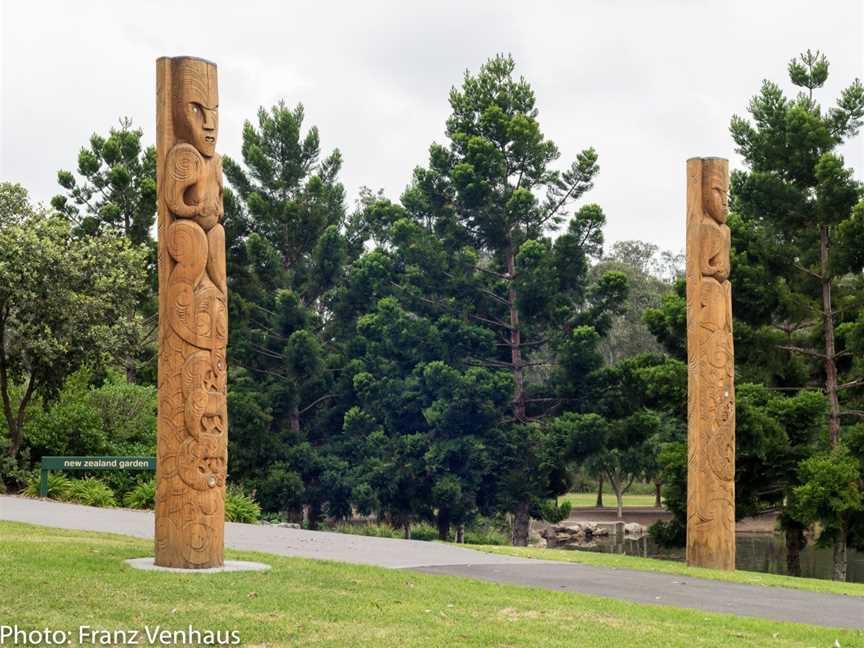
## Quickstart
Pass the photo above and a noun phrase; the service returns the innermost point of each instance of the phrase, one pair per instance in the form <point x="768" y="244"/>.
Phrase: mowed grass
<point x="619" y="561"/>
<point x="63" y="579"/>
<point x="609" y="501"/>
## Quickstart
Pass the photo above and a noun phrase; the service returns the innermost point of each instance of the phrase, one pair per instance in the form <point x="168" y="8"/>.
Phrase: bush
<point x="240" y="506"/>
<point x="91" y="492"/>
<point x="374" y="530"/>
<point x="142" y="496"/>
<point x="115" y="418"/>
<point x="553" y="513"/>
<point x="48" y="430"/>
<point x="14" y="471"/>
<point x="127" y="414"/>
<point x="58" y="486"/>
<point x="668" y="534"/>
<point x="485" y="537"/>
<point x="423" y="531"/>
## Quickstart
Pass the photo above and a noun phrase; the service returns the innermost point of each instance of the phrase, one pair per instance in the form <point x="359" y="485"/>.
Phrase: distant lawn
<point x="63" y="579"/>
<point x="609" y="501"/>
<point x="679" y="568"/>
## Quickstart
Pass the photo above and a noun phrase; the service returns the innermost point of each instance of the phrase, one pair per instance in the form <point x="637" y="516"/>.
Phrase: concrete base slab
<point x="149" y="564"/>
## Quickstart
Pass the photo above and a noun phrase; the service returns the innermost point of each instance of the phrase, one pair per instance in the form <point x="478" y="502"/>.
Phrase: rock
<point x="549" y="537"/>
<point x="590" y="528"/>
<point x="601" y="531"/>
<point x="634" y="528"/>
<point x="289" y="525"/>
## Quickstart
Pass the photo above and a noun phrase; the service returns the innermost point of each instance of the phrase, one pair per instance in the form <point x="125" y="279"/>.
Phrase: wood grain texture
<point x="192" y="428"/>
<point x="711" y="370"/>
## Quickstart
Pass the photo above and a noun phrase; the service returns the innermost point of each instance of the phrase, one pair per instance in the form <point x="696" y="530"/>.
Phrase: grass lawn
<point x="609" y="501"/>
<point x="63" y="579"/>
<point x="679" y="568"/>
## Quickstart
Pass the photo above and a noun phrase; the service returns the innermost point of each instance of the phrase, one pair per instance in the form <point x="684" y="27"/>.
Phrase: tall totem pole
<point x="711" y="370"/>
<point x="192" y="425"/>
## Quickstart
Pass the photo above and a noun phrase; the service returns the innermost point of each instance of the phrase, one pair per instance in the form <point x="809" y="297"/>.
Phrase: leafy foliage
<point x="142" y="496"/>
<point x="91" y="492"/>
<point x="64" y="303"/>
<point x="240" y="506"/>
<point x="117" y="188"/>
<point x="112" y="418"/>
<point x="59" y="486"/>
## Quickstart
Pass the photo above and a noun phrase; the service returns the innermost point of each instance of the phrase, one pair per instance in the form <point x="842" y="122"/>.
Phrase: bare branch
<point x="796" y="349"/>
<point x="852" y="383"/>
<point x="315" y="402"/>
<point x="478" y="362"/>
<point x="494" y="274"/>
<point x="490" y="321"/>
<point x="808" y="271"/>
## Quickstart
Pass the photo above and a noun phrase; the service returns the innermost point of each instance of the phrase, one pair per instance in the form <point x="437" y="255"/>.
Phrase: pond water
<point x="762" y="552"/>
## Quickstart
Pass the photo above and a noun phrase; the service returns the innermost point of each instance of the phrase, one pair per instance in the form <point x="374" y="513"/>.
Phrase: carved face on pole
<point x="196" y="109"/>
<point x="715" y="191"/>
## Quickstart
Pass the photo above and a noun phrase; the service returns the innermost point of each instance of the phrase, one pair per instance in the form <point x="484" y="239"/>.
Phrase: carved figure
<point x="711" y="369"/>
<point x="192" y="430"/>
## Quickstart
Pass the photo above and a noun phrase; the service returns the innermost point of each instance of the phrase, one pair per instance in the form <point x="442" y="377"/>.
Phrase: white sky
<point x="647" y="83"/>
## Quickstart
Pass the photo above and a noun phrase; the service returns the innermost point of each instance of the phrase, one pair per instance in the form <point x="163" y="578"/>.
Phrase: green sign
<point x="90" y="463"/>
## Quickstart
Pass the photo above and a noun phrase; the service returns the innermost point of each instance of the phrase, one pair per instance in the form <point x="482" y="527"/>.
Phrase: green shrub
<point x="553" y="513"/>
<point x="240" y="506"/>
<point x="115" y="418"/>
<point x="91" y="492"/>
<point x="142" y="496"/>
<point x="485" y="537"/>
<point x="49" y="428"/>
<point x="58" y="486"/>
<point x="127" y="414"/>
<point x="374" y="530"/>
<point x="424" y="531"/>
<point x="668" y="534"/>
<point x="14" y="471"/>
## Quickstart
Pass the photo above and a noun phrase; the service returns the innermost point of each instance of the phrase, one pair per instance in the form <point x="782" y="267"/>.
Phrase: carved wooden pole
<point x="711" y="371"/>
<point x="193" y="318"/>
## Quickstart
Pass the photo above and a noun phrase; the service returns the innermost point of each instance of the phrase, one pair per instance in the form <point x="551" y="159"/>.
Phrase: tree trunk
<point x="314" y="515"/>
<point x="14" y="421"/>
<point x="294" y="419"/>
<point x="131" y="373"/>
<point x="460" y="534"/>
<point x="619" y="496"/>
<point x="521" y="524"/>
<point x="599" y="503"/>
<point x="515" y="339"/>
<point x="131" y="369"/>
<point x="828" y="332"/>
<point x="794" y="543"/>
<point x="407" y="528"/>
<point x="443" y="524"/>
<point x="522" y="518"/>
<point x="838" y="572"/>
<point x="658" y="500"/>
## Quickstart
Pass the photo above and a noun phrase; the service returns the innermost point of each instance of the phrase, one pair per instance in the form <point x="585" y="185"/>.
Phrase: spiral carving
<point x="193" y="320"/>
<point x="710" y="363"/>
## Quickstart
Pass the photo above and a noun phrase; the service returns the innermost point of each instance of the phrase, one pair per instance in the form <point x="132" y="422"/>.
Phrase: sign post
<point x="90" y="463"/>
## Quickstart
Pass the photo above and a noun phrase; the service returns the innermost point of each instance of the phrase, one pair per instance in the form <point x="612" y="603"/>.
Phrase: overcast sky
<point x="647" y="83"/>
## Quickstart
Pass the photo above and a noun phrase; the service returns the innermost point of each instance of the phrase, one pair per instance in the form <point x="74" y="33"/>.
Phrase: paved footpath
<point x="776" y="603"/>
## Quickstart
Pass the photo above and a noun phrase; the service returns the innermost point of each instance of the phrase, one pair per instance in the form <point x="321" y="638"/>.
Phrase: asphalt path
<point x="777" y="603"/>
